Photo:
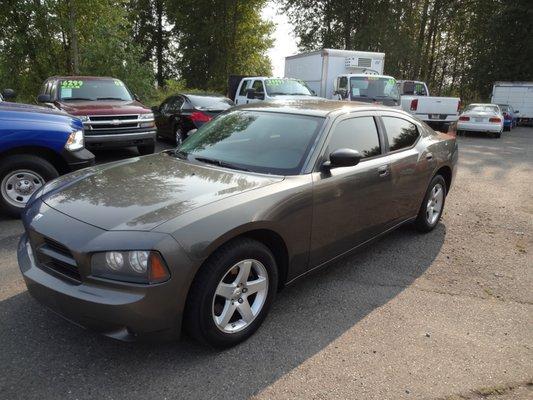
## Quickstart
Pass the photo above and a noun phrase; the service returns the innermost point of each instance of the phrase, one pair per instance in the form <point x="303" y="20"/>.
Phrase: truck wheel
<point x="146" y="149"/>
<point x="20" y="177"/>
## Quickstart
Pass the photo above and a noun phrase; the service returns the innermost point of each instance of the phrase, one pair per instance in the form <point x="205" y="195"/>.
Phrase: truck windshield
<point x="286" y="87"/>
<point x="374" y="89"/>
<point x="93" y="89"/>
<point x="266" y="142"/>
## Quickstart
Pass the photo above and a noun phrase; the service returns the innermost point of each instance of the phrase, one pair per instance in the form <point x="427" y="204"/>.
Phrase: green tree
<point x="218" y="38"/>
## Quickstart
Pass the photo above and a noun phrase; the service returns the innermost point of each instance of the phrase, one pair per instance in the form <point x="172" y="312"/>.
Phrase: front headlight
<point x="149" y="120"/>
<point x="75" y="141"/>
<point x="138" y="266"/>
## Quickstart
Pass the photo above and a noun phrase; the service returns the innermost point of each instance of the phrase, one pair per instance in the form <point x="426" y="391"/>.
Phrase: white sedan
<point x="481" y="118"/>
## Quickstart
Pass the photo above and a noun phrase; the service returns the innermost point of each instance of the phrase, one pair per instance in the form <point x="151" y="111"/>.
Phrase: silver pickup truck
<point x="436" y="111"/>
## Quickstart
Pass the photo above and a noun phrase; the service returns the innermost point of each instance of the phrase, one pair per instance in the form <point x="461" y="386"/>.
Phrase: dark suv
<point x="112" y="116"/>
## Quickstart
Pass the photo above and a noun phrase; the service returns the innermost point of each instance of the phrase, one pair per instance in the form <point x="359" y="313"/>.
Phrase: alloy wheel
<point x="240" y="296"/>
<point x="434" y="204"/>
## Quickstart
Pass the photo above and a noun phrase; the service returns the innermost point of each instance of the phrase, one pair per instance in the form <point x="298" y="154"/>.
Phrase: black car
<point x="181" y="113"/>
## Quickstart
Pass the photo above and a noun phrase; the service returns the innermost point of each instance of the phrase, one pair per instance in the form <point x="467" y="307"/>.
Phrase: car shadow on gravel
<point x="43" y="356"/>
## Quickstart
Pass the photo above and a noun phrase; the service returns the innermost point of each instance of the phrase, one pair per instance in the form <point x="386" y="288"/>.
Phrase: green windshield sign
<point x="71" y="84"/>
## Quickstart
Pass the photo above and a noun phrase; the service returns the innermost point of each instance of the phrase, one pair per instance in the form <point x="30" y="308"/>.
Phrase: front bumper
<point x="112" y="139"/>
<point x="78" y="159"/>
<point x="120" y="310"/>
<point x="479" y="127"/>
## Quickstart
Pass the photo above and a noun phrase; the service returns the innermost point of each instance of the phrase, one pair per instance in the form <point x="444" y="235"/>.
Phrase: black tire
<point x="35" y="164"/>
<point x="198" y="317"/>
<point x="178" y="130"/>
<point x="421" y="223"/>
<point x="146" y="149"/>
<point x="498" y="135"/>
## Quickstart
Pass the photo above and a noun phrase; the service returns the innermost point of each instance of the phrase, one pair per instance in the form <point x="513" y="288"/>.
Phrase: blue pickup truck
<point x="37" y="144"/>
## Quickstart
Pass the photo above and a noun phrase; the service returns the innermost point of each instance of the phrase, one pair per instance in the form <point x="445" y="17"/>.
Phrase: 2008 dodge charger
<point x="204" y="236"/>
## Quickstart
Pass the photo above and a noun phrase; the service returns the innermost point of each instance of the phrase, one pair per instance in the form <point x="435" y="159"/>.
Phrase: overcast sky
<point x="284" y="40"/>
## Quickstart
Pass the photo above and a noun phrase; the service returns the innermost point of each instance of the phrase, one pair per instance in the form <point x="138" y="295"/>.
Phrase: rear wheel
<point x="497" y="135"/>
<point x="232" y="293"/>
<point x="179" y="135"/>
<point x="20" y="177"/>
<point x="432" y="205"/>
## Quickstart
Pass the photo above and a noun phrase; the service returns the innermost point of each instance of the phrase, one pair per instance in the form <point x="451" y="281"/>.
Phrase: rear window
<point x="208" y="102"/>
<point x="482" y="108"/>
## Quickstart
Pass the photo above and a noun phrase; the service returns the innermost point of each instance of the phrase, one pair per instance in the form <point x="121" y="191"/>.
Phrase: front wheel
<point x="232" y="293"/>
<point x="432" y="205"/>
<point x="20" y="177"/>
<point x="146" y="149"/>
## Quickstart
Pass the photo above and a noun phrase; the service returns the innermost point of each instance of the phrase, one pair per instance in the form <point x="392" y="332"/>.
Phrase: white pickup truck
<point x="251" y="89"/>
<point x="436" y="111"/>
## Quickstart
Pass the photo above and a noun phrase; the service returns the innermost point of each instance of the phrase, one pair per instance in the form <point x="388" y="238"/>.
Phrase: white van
<point x="260" y="88"/>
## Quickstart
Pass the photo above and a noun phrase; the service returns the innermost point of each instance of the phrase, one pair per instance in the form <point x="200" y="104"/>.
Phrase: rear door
<point x="350" y="204"/>
<point x="411" y="166"/>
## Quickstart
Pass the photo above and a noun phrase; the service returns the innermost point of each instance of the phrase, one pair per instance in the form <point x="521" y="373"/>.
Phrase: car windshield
<point x="482" y="108"/>
<point x="374" y="88"/>
<point x="265" y="142"/>
<point x="211" y="102"/>
<point x="286" y="87"/>
<point x="93" y="89"/>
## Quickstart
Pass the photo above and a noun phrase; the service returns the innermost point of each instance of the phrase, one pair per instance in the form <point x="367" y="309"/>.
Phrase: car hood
<point x="143" y="192"/>
<point x="20" y="107"/>
<point x="108" y="107"/>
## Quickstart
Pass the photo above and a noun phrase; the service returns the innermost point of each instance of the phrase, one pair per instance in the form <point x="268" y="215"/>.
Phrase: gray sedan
<point x="204" y="236"/>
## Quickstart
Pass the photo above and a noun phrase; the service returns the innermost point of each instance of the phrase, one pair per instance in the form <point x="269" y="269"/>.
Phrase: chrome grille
<point x="114" y="122"/>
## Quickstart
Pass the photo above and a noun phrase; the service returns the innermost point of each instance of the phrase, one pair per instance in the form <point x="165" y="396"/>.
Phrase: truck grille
<point x="114" y="122"/>
<point x="51" y="255"/>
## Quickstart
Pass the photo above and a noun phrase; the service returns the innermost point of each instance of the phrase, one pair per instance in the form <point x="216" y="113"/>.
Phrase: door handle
<point x="383" y="170"/>
<point x="429" y="156"/>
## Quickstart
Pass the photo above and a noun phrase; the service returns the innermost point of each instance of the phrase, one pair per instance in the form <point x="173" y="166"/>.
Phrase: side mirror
<point x="8" y="94"/>
<point x="313" y="92"/>
<point x="343" y="158"/>
<point x="44" y="98"/>
<point x="250" y="94"/>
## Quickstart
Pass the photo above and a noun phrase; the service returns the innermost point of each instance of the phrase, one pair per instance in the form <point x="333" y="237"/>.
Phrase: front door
<point x="350" y="203"/>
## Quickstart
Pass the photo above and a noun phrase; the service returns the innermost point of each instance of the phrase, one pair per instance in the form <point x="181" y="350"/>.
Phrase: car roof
<point x="318" y="107"/>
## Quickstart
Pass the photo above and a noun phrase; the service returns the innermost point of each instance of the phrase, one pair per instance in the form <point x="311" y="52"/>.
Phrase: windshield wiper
<point x="77" y="98"/>
<point x="111" y="98"/>
<point x="220" y="163"/>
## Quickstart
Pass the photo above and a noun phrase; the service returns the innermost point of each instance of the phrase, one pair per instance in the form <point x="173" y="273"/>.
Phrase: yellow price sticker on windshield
<point x="71" y="84"/>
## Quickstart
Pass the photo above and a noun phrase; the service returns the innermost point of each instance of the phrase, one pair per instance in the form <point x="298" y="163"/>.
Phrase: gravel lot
<point x="448" y="315"/>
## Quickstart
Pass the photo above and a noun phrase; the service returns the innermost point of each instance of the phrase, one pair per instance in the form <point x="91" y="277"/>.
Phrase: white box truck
<point x="345" y="75"/>
<point x="518" y="95"/>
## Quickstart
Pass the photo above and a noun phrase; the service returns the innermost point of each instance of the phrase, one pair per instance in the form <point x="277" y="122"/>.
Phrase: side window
<point x="258" y="86"/>
<point x="343" y="82"/>
<point x="175" y="105"/>
<point x="358" y="134"/>
<point x="401" y="134"/>
<point x="165" y="107"/>
<point x="244" y="86"/>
